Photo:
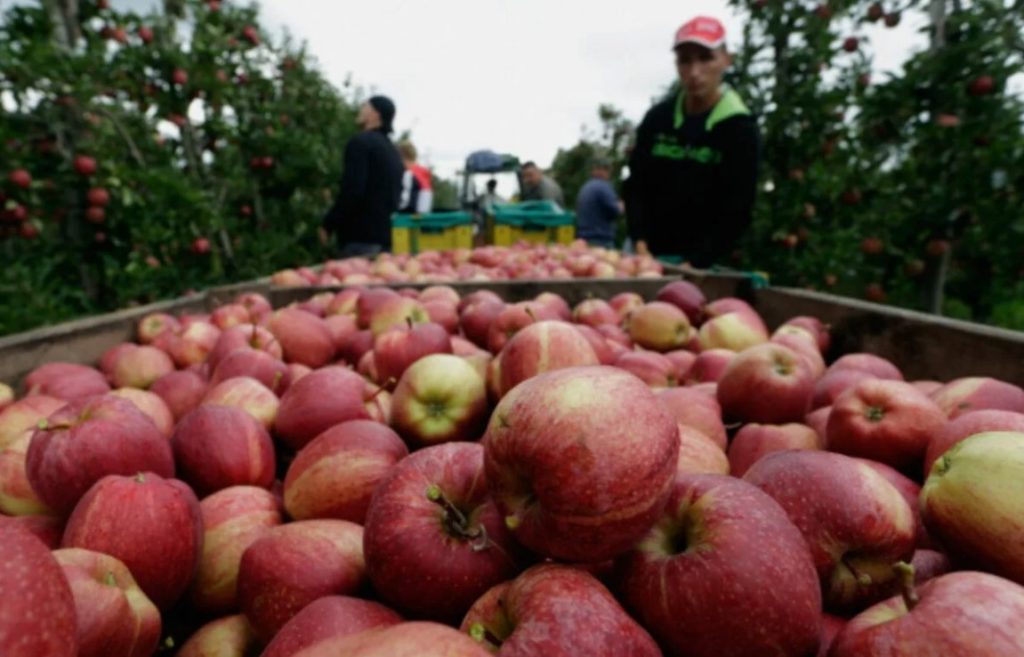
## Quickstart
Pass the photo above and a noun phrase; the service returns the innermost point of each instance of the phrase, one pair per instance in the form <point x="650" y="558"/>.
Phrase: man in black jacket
<point x="371" y="184"/>
<point x="693" y="170"/>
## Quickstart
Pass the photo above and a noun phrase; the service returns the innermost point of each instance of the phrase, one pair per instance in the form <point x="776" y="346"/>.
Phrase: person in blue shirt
<point x="598" y="207"/>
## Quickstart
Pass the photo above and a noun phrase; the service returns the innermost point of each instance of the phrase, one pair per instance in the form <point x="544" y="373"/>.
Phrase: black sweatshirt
<point x="693" y="178"/>
<point x="371" y="186"/>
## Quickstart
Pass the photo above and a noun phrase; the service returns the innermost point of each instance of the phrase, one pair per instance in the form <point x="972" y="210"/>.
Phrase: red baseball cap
<point x="702" y="30"/>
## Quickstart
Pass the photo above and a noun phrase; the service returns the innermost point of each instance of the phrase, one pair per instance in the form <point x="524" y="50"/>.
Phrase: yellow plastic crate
<point x="439" y="231"/>
<point x="537" y="222"/>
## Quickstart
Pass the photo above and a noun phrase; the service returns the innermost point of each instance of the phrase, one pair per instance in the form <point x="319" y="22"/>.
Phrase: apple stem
<point x="484" y="635"/>
<point x="905" y="572"/>
<point x="456" y="521"/>
<point x="408" y="321"/>
<point x="529" y="311"/>
<point x="862" y="578"/>
<point x="387" y="384"/>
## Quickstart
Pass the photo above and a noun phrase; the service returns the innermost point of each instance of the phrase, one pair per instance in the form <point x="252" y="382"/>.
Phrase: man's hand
<point x="641" y="248"/>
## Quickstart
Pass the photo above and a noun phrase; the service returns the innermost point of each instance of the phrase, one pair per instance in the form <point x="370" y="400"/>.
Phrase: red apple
<point x="834" y="383"/>
<point x="699" y="454"/>
<point x="817" y="328"/>
<point x="294" y="564"/>
<point x="6" y="396"/>
<point x="37" y="610"/>
<point x="512" y="319"/>
<point x="682" y="362"/>
<point x="911" y="492"/>
<point x="431" y="520"/>
<point x="967" y="425"/>
<point x="353" y="346"/>
<point x="233" y="519"/>
<point x="400" y="313"/>
<point x="478" y="296"/>
<point x="558" y="306"/>
<point x="542" y="347"/>
<point x="87" y="440"/>
<point x="687" y="297"/>
<point x="558" y="437"/>
<point x="344" y="302"/>
<point x="418" y="639"/>
<point x="306" y="411"/>
<point x="962" y="396"/>
<point x="831" y="627"/>
<point x="181" y="391"/>
<point x="24" y="415"/>
<point x="194" y="343"/>
<point x="151" y="405"/>
<point x="856" y="523"/>
<point x="768" y="383"/>
<point x="603" y="350"/>
<point x="155" y="324"/>
<point x="705" y="560"/>
<point x="443" y="313"/>
<point x="476" y="318"/>
<point x="66" y="381"/>
<point x="726" y="305"/>
<point x="625" y="303"/>
<point x="659" y="326"/>
<point x="804" y="343"/>
<point x="886" y="421"/>
<point x="336" y="473"/>
<point x="247" y="394"/>
<point x="695" y="409"/>
<point x="972" y="503"/>
<point x="259" y="365"/>
<point x="257" y="305"/>
<point x="652" y="368"/>
<point x="710" y="365"/>
<point x="735" y="331"/>
<point x="230" y="636"/>
<point x="233" y="314"/>
<point x="395" y="350"/>
<point x="514" y="618"/>
<point x="328" y="618"/>
<point x="755" y="441"/>
<point x="440" y="398"/>
<point x="369" y="301"/>
<point x="444" y="293"/>
<point x="16" y="495"/>
<point x="876" y="365"/>
<point x="151" y="524"/>
<point x="926" y="386"/>
<point x="341" y="326"/>
<point x="249" y="336"/>
<point x="216" y="447"/>
<point x="964" y="613"/>
<point x="114" y="617"/>
<point x="594" y="312"/>
<point x="304" y="337"/>
<point x="140" y="367"/>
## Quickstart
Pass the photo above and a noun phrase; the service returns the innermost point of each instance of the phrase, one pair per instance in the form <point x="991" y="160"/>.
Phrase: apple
<point x="397" y="349"/>
<point x="512" y="319"/>
<point x="515" y="618"/>
<point x="353" y="346"/>
<point x="440" y="398"/>
<point x="444" y="293"/>
<point x="230" y="315"/>
<point x="699" y="454"/>
<point x="16" y="495"/>
<point x="247" y="394"/>
<point x="136" y="367"/>
<point x="558" y="437"/>
<point x="193" y="344"/>
<point x="344" y="302"/>
<point x="615" y="334"/>
<point x="755" y="441"/>
<point x="87" y="440"/>
<point x="328" y="618"/>
<point x="400" y="312"/>
<point x="594" y="312"/>
<point x="962" y="396"/>
<point x="341" y="326"/>
<point x="876" y="365"/>
<point x="47" y="529"/>
<point x="558" y="306"/>
<point x="709" y="366"/>
<point x="6" y="396"/>
<point x="249" y="336"/>
<point x="625" y="303"/>
<point x="911" y="492"/>
<point x="416" y="639"/>
<point x="926" y="386"/>
<point x="233" y="518"/>
<point x="292" y="565"/>
<point x="726" y="305"/>
<point x="652" y="368"/>
<point x="153" y="325"/>
<point x="369" y="301"/>
<point x="767" y="383"/>
<point x="835" y="383"/>
<point x="431" y="520"/>
<point x="541" y="347"/>
<point x="24" y="415"/>
<point x="335" y="475"/>
<point x="964" y="613"/>
<point x="317" y="402"/>
<point x="606" y="354"/>
<point x="697" y="410"/>
<point x="705" y="561"/>
<point x="831" y="627"/>
<point x="443" y="313"/>
<point x="216" y="447"/>
<point x="856" y="523"/>
<point x="818" y="420"/>
<point x="304" y="337"/>
<point x="230" y="636"/>
<point x="151" y="405"/>
<point x="682" y="362"/>
<point x="802" y="342"/>
<point x="971" y="502"/>
<point x="687" y="297"/>
<point x="67" y="381"/>
<point x="475" y="319"/>
<point x="659" y="326"/>
<point x="37" y="609"/>
<point x="182" y="391"/>
<point x="816" y="327"/>
<point x="259" y="365"/>
<point x="478" y="296"/>
<point x="883" y="420"/>
<point x="734" y="331"/>
<point x="967" y="425"/>
<point x="114" y="616"/>
<point x="150" y="523"/>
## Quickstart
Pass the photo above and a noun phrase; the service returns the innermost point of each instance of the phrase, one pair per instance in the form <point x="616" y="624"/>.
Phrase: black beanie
<point x="386" y="109"/>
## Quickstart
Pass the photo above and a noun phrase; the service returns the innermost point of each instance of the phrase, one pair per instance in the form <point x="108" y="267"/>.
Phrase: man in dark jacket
<point x="693" y="171"/>
<point x="371" y="184"/>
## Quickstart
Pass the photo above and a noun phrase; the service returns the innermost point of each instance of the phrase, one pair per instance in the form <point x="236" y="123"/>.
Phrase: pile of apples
<point x="522" y="261"/>
<point x="402" y="472"/>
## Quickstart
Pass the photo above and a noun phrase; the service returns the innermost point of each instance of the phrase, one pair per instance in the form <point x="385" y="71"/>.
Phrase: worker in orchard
<point x="693" y="169"/>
